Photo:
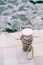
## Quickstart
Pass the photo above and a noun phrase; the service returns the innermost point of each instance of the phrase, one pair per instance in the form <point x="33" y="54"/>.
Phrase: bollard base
<point x="26" y="46"/>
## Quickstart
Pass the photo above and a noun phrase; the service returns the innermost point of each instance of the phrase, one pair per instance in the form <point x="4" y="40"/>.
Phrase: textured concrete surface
<point x="11" y="52"/>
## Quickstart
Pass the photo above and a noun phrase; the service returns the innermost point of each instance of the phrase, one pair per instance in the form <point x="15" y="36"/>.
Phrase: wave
<point x="20" y="14"/>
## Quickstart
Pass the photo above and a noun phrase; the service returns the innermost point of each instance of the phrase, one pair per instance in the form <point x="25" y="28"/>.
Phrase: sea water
<point x="16" y="15"/>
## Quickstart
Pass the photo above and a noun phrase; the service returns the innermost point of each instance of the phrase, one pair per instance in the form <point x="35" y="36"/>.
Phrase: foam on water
<point x="18" y="14"/>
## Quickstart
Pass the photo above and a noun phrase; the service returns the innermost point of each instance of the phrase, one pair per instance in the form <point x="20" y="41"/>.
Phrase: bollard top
<point x="27" y="31"/>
